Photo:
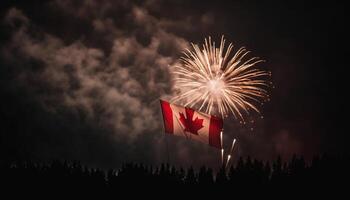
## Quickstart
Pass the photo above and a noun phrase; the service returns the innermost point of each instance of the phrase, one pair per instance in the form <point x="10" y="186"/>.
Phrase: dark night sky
<point x="81" y="81"/>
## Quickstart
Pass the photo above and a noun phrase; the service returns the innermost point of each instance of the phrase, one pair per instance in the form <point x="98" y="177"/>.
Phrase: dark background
<point x="304" y="45"/>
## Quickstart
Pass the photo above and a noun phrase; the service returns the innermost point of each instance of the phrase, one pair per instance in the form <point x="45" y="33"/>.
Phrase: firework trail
<point x="229" y="155"/>
<point x="218" y="82"/>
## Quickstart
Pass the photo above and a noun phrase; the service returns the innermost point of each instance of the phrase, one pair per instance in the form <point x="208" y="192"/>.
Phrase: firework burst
<point x="217" y="81"/>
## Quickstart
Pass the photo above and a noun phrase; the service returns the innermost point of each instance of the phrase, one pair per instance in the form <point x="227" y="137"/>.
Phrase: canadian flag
<point x="192" y="124"/>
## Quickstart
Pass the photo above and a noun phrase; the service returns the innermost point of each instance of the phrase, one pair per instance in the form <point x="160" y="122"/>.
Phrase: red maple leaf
<point x="190" y="125"/>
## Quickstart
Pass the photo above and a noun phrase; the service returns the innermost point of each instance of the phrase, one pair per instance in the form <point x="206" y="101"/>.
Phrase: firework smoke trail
<point x="228" y="160"/>
<point x="233" y="144"/>
<point x="222" y="156"/>
<point x="218" y="82"/>
<point x="222" y="149"/>
<point x="229" y="155"/>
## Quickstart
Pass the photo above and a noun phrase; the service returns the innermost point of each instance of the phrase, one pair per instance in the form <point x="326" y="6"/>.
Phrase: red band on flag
<point x="214" y="132"/>
<point x="167" y="117"/>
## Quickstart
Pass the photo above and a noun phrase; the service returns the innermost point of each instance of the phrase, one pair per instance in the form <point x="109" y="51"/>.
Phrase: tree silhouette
<point x="294" y="175"/>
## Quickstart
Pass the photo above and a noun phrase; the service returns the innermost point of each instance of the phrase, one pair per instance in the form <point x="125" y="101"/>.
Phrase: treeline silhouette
<point x="246" y="172"/>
